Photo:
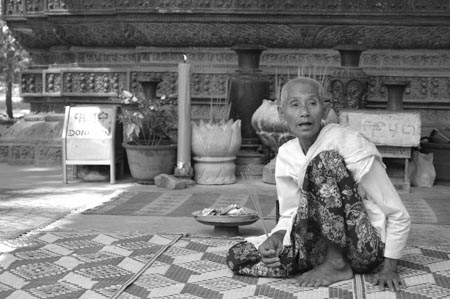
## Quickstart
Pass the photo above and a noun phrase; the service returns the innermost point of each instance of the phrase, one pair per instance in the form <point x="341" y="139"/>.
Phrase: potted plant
<point x="148" y="123"/>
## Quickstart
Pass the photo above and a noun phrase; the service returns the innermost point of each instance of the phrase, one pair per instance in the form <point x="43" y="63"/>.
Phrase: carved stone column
<point x="395" y="90"/>
<point x="349" y="83"/>
<point x="149" y="87"/>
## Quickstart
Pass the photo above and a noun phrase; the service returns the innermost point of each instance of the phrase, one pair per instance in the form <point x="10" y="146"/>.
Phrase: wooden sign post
<point x="89" y="137"/>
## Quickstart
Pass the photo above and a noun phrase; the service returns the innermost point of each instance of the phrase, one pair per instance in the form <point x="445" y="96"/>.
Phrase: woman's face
<point x="303" y="111"/>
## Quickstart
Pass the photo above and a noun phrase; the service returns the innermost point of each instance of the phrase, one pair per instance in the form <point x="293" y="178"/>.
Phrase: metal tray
<point x="226" y="220"/>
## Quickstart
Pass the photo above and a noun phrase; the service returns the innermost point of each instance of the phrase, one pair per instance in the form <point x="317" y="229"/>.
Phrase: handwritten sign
<point x="89" y="136"/>
<point x="385" y="127"/>
<point x="90" y="122"/>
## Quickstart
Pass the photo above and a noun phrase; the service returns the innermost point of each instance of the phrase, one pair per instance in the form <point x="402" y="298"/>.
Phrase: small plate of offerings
<point x="231" y="215"/>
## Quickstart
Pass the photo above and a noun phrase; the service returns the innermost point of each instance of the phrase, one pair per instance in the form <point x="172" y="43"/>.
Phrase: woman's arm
<point x="379" y="188"/>
<point x="288" y="193"/>
<point x="381" y="191"/>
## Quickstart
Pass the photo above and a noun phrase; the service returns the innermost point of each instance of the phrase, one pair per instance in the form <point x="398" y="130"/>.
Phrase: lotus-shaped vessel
<point x="214" y="146"/>
<point x="216" y="139"/>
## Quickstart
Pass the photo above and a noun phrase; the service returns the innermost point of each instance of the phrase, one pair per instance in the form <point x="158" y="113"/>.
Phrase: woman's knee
<point x="329" y="164"/>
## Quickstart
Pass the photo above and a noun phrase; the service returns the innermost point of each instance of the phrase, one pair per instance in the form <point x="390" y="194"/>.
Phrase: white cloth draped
<point x="383" y="204"/>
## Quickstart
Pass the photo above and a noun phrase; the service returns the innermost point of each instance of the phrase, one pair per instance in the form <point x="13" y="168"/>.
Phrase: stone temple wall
<point x="87" y="51"/>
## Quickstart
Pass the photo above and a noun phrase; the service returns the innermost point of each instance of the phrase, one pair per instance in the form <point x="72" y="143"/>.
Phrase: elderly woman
<point x="340" y="213"/>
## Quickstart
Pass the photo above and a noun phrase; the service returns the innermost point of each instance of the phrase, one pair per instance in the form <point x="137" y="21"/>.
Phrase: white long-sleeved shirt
<point x="382" y="202"/>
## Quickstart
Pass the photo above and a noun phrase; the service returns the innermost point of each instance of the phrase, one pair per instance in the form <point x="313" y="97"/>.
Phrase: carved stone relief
<point x="433" y="89"/>
<point x="31" y="83"/>
<point x="14" y="7"/>
<point x="53" y="82"/>
<point x="46" y="155"/>
<point x="175" y="33"/>
<point x="22" y="153"/>
<point x="93" y="82"/>
<point x="426" y="90"/>
<point x="4" y="153"/>
<point x="213" y="58"/>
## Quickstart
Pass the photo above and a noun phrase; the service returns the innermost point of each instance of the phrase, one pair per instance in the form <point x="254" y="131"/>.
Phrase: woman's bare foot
<point x="329" y="272"/>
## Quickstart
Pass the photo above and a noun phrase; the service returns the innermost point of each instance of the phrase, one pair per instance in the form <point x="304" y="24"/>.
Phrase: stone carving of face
<point x="354" y="94"/>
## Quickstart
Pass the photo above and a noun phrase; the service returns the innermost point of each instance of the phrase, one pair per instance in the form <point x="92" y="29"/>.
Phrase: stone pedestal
<point x="214" y="170"/>
<point x="349" y="82"/>
<point x="395" y="90"/>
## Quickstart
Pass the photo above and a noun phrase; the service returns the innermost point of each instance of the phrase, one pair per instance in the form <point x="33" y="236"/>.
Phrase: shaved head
<point x="319" y="89"/>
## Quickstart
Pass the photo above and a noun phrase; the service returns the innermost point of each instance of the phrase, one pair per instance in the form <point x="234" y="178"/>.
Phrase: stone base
<point x="249" y="161"/>
<point x="34" y="140"/>
<point x="268" y="175"/>
<point x="185" y="171"/>
<point x="214" y="170"/>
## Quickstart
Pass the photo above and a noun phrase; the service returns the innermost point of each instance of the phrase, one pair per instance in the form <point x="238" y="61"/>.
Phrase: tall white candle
<point x="184" y="116"/>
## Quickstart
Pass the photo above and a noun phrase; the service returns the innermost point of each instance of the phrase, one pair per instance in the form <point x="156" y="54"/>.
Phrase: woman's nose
<point x="303" y="111"/>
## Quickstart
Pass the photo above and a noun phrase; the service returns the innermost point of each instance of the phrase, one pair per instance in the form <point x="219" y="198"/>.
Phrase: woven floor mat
<point x="179" y="203"/>
<point x="98" y="265"/>
<point x="174" y="203"/>
<point x="24" y="210"/>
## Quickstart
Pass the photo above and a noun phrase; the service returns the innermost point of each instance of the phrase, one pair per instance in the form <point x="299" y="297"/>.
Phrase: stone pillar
<point x="395" y="90"/>
<point x="149" y="87"/>
<point x="349" y="83"/>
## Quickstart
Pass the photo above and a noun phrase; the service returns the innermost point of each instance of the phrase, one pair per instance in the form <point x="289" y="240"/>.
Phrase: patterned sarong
<point x="330" y="211"/>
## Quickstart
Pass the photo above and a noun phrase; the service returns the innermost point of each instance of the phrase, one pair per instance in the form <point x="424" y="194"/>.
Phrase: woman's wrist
<point x="390" y="264"/>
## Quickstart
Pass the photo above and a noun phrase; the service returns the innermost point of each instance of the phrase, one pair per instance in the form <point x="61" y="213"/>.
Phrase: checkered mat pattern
<point x="178" y="203"/>
<point x="95" y="265"/>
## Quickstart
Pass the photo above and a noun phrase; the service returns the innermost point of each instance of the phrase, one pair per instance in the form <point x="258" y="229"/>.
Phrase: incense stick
<point x="254" y="197"/>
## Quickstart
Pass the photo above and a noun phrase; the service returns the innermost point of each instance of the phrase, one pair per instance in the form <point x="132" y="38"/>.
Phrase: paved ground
<point x="33" y="198"/>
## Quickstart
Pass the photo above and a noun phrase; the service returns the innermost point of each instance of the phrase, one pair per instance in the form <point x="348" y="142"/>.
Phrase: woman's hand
<point x="271" y="248"/>
<point x="388" y="276"/>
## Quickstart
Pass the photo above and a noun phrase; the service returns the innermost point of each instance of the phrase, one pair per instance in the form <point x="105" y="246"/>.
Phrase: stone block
<point x="171" y="182"/>
<point x="385" y="127"/>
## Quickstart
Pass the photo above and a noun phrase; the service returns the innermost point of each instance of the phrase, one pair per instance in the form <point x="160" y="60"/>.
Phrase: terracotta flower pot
<point x="147" y="161"/>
